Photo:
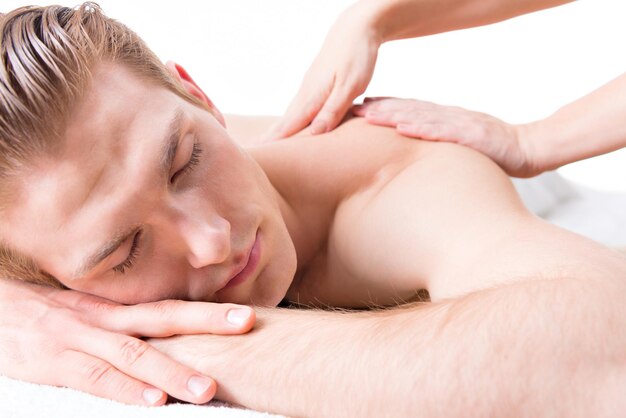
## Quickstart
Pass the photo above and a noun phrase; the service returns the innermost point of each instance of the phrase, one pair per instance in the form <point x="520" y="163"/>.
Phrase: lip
<point x="249" y="265"/>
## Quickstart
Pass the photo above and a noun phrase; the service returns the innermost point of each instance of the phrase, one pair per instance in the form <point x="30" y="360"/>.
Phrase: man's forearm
<point x="399" y="19"/>
<point x="521" y="350"/>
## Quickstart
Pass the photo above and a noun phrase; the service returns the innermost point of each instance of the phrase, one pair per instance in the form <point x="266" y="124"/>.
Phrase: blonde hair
<point x="46" y="58"/>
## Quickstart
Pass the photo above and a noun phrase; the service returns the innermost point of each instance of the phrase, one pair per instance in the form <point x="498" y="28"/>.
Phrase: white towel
<point x="26" y="400"/>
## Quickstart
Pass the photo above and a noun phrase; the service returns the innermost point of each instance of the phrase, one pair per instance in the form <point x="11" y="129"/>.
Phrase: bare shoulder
<point x="247" y="130"/>
<point x="399" y="215"/>
<point x="394" y="209"/>
<point x="341" y="162"/>
<point x="431" y="211"/>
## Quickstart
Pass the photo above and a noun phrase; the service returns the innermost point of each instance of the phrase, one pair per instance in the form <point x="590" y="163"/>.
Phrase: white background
<point x="250" y="56"/>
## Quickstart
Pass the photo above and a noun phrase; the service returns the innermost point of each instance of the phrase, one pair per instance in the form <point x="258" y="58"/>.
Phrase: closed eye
<point x="132" y="255"/>
<point x="193" y="161"/>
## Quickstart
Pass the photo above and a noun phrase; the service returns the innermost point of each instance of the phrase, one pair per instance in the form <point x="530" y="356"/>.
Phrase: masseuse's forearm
<point x="519" y="350"/>
<point x="398" y="19"/>
<point x="590" y="126"/>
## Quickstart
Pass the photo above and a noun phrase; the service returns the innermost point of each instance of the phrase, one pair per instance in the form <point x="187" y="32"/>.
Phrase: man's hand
<point x="340" y="73"/>
<point x="66" y="338"/>
<point x="499" y="140"/>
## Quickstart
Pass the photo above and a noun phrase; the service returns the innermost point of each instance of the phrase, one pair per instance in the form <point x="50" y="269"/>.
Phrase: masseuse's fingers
<point x="300" y="112"/>
<point x="431" y="131"/>
<point x="139" y="360"/>
<point x="333" y="111"/>
<point x="171" y="317"/>
<point x="339" y="73"/>
<point x="388" y="104"/>
<point x="99" y="378"/>
<point x="487" y="134"/>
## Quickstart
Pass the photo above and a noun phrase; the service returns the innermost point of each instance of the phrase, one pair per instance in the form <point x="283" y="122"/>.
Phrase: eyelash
<point x="193" y="161"/>
<point x="134" y="249"/>
<point x="132" y="256"/>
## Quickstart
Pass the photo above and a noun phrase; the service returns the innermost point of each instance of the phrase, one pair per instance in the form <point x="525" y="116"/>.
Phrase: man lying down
<point x="121" y="180"/>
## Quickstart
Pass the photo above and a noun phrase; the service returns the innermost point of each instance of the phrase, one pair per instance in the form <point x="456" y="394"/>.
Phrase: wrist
<point x="370" y="19"/>
<point x="532" y="150"/>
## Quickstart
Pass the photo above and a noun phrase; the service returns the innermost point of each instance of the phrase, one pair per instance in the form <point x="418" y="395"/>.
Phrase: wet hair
<point x="47" y="55"/>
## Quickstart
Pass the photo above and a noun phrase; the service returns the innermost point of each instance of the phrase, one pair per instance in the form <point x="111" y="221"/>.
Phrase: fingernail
<point x="238" y="316"/>
<point x="152" y="395"/>
<point x="198" y="385"/>
<point x="318" y="127"/>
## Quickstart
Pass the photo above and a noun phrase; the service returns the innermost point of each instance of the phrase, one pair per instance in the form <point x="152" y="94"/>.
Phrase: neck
<point x="306" y="210"/>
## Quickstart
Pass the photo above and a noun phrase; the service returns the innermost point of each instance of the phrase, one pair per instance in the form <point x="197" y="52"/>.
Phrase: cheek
<point x="148" y="285"/>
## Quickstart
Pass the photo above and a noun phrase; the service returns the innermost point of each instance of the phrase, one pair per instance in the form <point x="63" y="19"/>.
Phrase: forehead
<point x="110" y="139"/>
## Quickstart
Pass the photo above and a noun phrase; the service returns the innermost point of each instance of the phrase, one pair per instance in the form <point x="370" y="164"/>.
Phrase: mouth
<point x="248" y="265"/>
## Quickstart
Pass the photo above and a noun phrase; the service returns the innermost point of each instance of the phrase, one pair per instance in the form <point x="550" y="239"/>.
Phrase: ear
<point x="183" y="77"/>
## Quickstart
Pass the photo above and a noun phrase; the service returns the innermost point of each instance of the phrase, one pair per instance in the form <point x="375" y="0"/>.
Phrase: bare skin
<point x="446" y="197"/>
<point x="357" y="218"/>
<point x="548" y="297"/>
<point x="366" y="216"/>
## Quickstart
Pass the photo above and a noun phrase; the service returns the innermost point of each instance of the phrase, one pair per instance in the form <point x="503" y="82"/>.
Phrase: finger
<point x="362" y="109"/>
<point x="381" y="118"/>
<point x="298" y="115"/>
<point x="141" y="361"/>
<point x="170" y="317"/>
<point x="358" y="110"/>
<point x="428" y="131"/>
<point x="97" y="377"/>
<point x="332" y="112"/>
<point x="376" y="98"/>
<point x="385" y="105"/>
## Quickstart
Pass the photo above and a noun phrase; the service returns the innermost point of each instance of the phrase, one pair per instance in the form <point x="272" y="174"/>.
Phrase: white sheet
<point x="595" y="214"/>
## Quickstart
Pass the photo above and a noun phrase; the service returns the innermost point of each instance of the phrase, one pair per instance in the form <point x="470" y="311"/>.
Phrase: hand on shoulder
<point x="502" y="142"/>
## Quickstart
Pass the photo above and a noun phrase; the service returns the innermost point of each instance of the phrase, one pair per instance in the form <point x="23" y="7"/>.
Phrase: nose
<point x="208" y="241"/>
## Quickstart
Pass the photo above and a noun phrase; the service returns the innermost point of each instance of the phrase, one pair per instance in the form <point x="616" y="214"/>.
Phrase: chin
<point x="272" y="284"/>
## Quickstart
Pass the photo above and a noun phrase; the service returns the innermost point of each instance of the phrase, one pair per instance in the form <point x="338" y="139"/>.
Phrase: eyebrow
<point x="168" y="153"/>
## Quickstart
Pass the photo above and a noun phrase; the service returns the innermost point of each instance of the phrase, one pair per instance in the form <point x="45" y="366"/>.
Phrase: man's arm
<point x="525" y="349"/>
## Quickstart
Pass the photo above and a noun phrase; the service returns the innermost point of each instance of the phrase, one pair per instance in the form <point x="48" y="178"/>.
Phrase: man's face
<point x="150" y="199"/>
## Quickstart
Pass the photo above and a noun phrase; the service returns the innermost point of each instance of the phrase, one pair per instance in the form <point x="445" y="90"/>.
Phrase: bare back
<point x="386" y="216"/>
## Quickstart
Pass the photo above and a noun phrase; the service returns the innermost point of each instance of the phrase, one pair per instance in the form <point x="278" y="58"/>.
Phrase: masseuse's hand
<point x="66" y="338"/>
<point x="340" y="72"/>
<point x="502" y="142"/>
